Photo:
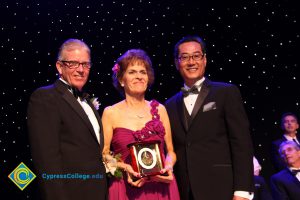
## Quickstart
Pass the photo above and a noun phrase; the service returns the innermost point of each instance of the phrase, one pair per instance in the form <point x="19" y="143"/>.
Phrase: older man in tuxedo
<point x="65" y="131"/>
<point x="210" y="131"/>
<point x="285" y="185"/>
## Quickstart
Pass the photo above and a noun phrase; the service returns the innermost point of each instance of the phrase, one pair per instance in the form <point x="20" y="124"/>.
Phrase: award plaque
<point x="146" y="158"/>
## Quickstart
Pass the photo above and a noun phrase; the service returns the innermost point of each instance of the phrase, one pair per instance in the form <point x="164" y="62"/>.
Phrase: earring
<point x="122" y="84"/>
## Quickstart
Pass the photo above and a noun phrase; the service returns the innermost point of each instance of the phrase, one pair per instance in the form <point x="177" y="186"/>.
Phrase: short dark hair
<point x="284" y="115"/>
<point x="189" y="38"/>
<point x="130" y="57"/>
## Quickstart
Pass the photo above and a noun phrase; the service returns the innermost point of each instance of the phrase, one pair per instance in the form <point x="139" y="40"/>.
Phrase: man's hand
<point x="239" y="198"/>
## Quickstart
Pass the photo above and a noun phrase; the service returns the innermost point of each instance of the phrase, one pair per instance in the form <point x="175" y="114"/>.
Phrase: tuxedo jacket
<point x="261" y="191"/>
<point x="213" y="147"/>
<point x="276" y="159"/>
<point x="63" y="143"/>
<point x="285" y="186"/>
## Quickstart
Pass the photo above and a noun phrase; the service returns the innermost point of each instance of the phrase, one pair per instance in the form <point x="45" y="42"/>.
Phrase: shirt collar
<point x="289" y="138"/>
<point x="197" y="84"/>
<point x="65" y="82"/>
<point x="294" y="168"/>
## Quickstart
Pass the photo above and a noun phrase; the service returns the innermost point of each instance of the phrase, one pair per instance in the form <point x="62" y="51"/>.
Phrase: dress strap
<point x="154" y="111"/>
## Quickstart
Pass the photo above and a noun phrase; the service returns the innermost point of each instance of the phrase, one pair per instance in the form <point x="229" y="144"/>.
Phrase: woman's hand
<point x="163" y="178"/>
<point x="136" y="183"/>
<point x="167" y="168"/>
<point x="133" y="178"/>
<point x="130" y="172"/>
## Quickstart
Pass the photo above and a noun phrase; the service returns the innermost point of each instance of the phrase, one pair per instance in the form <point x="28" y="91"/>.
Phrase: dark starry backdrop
<point x="252" y="44"/>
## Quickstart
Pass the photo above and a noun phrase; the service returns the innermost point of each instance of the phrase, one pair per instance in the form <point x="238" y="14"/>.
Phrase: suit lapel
<point x="181" y="113"/>
<point x="69" y="98"/>
<point x="293" y="177"/>
<point x="202" y="95"/>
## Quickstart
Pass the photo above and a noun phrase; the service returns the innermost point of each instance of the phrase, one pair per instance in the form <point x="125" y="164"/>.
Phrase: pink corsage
<point x="116" y="68"/>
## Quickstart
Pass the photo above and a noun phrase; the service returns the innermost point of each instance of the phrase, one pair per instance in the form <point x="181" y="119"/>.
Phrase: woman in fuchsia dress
<point x="137" y="120"/>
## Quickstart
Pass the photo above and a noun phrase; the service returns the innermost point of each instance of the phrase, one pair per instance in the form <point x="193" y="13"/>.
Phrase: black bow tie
<point x="295" y="171"/>
<point x="192" y="90"/>
<point x="77" y="93"/>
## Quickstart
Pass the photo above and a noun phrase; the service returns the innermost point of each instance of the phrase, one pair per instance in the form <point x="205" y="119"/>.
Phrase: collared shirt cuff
<point x="244" y="194"/>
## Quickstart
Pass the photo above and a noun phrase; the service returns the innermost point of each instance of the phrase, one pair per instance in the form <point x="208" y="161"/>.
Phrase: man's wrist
<point x="244" y="194"/>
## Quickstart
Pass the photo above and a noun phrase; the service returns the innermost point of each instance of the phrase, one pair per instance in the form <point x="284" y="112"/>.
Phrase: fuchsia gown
<point x="120" y="189"/>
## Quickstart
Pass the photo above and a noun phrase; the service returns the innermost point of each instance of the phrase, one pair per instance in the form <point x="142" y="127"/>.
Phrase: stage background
<point x="250" y="43"/>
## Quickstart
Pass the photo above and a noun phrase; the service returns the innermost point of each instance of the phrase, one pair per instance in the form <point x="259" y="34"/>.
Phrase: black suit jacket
<point x="285" y="186"/>
<point x="261" y="191"/>
<point x="214" y="150"/>
<point x="63" y="143"/>
<point x="276" y="159"/>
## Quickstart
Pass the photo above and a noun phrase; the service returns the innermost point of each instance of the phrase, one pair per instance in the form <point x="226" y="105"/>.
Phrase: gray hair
<point x="292" y="143"/>
<point x="70" y="45"/>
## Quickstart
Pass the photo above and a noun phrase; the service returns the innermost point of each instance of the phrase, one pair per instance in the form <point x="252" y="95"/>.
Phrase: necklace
<point x="140" y="114"/>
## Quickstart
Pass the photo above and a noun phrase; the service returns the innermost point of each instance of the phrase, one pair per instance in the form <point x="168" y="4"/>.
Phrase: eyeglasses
<point x="186" y="57"/>
<point x="74" y="64"/>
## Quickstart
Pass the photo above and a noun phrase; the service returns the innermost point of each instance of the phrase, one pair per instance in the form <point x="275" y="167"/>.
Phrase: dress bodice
<point x="153" y="130"/>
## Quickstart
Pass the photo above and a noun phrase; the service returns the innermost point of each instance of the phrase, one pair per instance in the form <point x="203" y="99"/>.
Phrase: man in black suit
<point x="210" y="131"/>
<point x="65" y="131"/>
<point x="290" y="125"/>
<point x="285" y="185"/>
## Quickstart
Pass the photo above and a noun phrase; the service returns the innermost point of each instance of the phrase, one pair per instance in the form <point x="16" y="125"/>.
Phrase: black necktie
<point x="295" y="171"/>
<point x="77" y="93"/>
<point x="192" y="90"/>
<point x="295" y="141"/>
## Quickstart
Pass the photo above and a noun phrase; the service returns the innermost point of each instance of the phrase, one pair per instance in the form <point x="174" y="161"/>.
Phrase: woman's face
<point x="135" y="79"/>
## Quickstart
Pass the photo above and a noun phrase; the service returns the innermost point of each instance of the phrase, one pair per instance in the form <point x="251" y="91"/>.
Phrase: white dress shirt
<point x="89" y="112"/>
<point x="289" y="138"/>
<point x="92" y="117"/>
<point x="298" y="174"/>
<point x="256" y="166"/>
<point x="190" y="100"/>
